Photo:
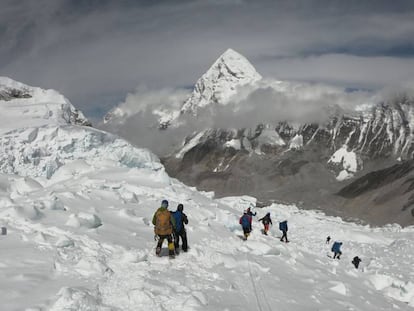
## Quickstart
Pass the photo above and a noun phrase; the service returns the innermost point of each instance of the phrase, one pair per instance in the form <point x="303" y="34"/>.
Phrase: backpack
<point x="336" y="247"/>
<point x="178" y="216"/>
<point x="245" y="221"/>
<point x="283" y="226"/>
<point x="266" y="220"/>
<point x="162" y="224"/>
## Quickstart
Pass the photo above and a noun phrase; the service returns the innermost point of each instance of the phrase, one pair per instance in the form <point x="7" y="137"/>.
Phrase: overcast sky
<point x="96" y="51"/>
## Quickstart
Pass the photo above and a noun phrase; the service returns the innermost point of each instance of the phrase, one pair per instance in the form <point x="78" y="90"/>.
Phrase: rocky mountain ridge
<point x="280" y="140"/>
<point x="295" y="162"/>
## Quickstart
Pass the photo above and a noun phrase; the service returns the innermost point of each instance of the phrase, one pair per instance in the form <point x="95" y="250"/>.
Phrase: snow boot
<point x="158" y="251"/>
<point x="171" y="250"/>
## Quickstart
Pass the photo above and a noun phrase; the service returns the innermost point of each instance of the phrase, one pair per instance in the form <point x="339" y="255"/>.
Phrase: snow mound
<point x="52" y="202"/>
<point x="77" y="299"/>
<point x="24" y="185"/>
<point x="72" y="149"/>
<point x="339" y="288"/>
<point x="89" y="221"/>
<point x="64" y="242"/>
<point x="24" y="212"/>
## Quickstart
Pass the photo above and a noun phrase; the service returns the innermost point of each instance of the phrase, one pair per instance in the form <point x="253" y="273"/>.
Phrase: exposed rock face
<point x="382" y="195"/>
<point x="296" y="162"/>
<point x="279" y="158"/>
<point x="383" y="132"/>
<point x="7" y="93"/>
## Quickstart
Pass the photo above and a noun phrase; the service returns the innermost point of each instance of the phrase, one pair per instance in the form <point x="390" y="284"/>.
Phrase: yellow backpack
<point x="162" y="224"/>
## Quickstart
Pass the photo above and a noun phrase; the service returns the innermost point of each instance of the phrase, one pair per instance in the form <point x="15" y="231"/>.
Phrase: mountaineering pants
<point x="266" y="228"/>
<point x="246" y="231"/>
<point x="284" y="236"/>
<point x="356" y="262"/>
<point x="337" y="254"/>
<point x="183" y="235"/>
<point x="170" y="244"/>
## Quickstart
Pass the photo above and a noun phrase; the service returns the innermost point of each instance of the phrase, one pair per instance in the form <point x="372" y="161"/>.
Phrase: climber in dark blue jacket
<point x="336" y="248"/>
<point x="284" y="228"/>
<point x="179" y="230"/>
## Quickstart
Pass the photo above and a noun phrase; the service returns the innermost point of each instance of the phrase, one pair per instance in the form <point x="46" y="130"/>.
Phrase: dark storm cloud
<point x="94" y="51"/>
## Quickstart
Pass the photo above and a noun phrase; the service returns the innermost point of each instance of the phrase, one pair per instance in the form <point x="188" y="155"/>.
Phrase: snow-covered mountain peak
<point x="27" y="106"/>
<point x="236" y="65"/>
<point x="220" y="82"/>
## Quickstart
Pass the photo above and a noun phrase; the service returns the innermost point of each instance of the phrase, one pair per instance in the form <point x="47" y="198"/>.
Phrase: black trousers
<point x="170" y="244"/>
<point x="183" y="235"/>
<point x="337" y="254"/>
<point x="284" y="236"/>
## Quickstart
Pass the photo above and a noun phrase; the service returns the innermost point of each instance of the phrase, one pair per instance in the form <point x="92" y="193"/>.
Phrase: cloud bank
<point x="95" y="52"/>
<point x="138" y="117"/>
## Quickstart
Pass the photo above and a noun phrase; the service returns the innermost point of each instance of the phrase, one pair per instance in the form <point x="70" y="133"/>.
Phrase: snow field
<point x="80" y="265"/>
<point x="86" y="219"/>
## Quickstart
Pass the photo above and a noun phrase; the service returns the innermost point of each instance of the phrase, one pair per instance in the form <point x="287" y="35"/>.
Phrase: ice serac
<point x="42" y="132"/>
<point x="24" y="106"/>
<point x="220" y="82"/>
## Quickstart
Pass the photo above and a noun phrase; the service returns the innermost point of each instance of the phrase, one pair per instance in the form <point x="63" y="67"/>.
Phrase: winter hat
<point x="180" y="207"/>
<point x="164" y="203"/>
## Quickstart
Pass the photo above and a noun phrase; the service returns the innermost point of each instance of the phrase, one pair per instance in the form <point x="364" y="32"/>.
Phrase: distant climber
<point x="179" y="230"/>
<point x="164" y="225"/>
<point x="267" y="221"/>
<point x="284" y="228"/>
<point x="246" y="223"/>
<point x="336" y="248"/>
<point x="328" y="239"/>
<point x="356" y="261"/>
<point x="250" y="213"/>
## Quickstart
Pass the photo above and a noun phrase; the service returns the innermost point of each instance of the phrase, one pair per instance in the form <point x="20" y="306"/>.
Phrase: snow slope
<point x="78" y="203"/>
<point x="87" y="243"/>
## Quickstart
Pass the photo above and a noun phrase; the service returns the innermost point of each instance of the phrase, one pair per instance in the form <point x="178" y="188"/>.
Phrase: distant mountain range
<point x="311" y="145"/>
